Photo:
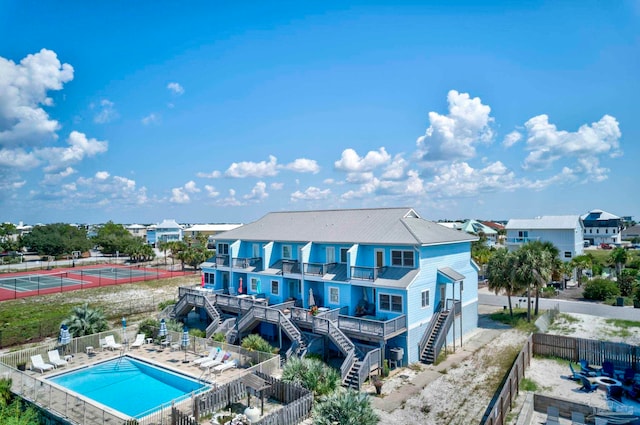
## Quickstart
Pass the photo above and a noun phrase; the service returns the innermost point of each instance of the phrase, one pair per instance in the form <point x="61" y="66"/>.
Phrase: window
<point x="286" y="251"/>
<point x="606" y="230"/>
<point x="402" y="258"/>
<point x="597" y="230"/>
<point x="253" y="284"/>
<point x="223" y="249"/>
<point x="343" y="255"/>
<point x="567" y="254"/>
<point x="334" y="295"/>
<point x="275" y="287"/>
<point x="391" y="303"/>
<point x="209" y="278"/>
<point x="523" y="233"/>
<point x="425" y="298"/>
<point x="255" y="250"/>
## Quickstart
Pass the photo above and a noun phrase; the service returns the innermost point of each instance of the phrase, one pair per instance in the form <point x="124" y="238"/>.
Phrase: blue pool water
<point x="128" y="385"/>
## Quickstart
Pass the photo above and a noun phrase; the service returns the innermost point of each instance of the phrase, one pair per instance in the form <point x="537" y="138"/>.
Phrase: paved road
<point x="595" y="309"/>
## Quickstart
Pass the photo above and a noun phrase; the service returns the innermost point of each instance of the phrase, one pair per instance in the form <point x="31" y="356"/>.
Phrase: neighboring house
<point x="209" y="230"/>
<point x="167" y="231"/>
<point x="602" y="227"/>
<point x="360" y="284"/>
<point x="477" y="228"/>
<point x="563" y="231"/>
<point x="137" y="230"/>
<point x="631" y="233"/>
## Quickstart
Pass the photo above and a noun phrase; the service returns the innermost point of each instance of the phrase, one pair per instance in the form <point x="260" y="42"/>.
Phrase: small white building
<point x="563" y="231"/>
<point x="602" y="227"/>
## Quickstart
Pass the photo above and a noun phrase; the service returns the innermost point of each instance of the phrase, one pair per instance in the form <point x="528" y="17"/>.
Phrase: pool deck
<point x="153" y="353"/>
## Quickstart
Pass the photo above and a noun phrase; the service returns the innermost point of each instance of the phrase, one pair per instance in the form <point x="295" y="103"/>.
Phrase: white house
<point x="563" y="231"/>
<point x="602" y="227"/>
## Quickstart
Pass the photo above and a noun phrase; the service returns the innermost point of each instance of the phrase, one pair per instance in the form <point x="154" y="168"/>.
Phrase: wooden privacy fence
<point x="501" y="403"/>
<point x="565" y="347"/>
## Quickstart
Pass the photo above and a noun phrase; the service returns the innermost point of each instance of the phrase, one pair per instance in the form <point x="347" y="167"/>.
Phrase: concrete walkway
<point x="487" y="332"/>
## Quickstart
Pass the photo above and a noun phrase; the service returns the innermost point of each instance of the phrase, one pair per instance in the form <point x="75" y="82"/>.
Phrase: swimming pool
<point x="129" y="386"/>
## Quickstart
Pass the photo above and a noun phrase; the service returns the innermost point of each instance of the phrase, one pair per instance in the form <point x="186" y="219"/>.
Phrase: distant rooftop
<point x="545" y="222"/>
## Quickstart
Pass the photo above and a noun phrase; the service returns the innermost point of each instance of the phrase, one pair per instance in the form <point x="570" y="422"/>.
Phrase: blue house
<point x="359" y="286"/>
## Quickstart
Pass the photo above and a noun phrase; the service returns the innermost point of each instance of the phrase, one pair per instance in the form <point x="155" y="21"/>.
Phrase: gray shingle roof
<point x="545" y="222"/>
<point x="401" y="226"/>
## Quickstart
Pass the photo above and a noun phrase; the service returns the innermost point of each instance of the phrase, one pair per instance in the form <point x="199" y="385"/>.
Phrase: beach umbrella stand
<point x="185" y="343"/>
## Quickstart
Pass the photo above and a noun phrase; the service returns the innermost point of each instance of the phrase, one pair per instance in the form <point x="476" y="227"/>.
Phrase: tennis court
<point x="34" y="282"/>
<point x="114" y="273"/>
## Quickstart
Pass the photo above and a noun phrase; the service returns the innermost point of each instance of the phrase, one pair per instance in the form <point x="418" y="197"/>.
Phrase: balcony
<point x="222" y="260"/>
<point x="365" y="273"/>
<point x="521" y="240"/>
<point x="253" y="263"/>
<point x="317" y="269"/>
<point x="290" y="266"/>
<point x="372" y="329"/>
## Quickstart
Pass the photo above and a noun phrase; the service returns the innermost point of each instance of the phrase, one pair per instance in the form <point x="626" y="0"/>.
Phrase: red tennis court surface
<point x="40" y="282"/>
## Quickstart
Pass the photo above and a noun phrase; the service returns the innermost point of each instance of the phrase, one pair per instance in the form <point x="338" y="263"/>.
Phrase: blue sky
<point x="224" y="111"/>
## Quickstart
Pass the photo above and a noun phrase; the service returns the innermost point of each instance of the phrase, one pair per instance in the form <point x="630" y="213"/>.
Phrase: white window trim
<point x="428" y="298"/>
<point x="391" y="303"/>
<point x="277" y="282"/>
<point x="331" y="288"/>
<point x="253" y="284"/>
<point x="402" y="258"/>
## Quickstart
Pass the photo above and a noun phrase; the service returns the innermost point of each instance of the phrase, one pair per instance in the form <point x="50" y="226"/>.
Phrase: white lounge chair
<point x="54" y="358"/>
<point x="217" y="360"/>
<point x="39" y="364"/>
<point x="138" y="341"/>
<point x="229" y="364"/>
<point x="212" y="355"/>
<point x="111" y="343"/>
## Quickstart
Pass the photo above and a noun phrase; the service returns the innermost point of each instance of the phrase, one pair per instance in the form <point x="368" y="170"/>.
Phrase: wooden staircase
<point x="429" y="354"/>
<point x="435" y="335"/>
<point x="277" y="317"/>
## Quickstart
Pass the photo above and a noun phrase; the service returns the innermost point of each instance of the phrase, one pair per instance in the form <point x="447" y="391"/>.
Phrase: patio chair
<point x="614" y="392"/>
<point x="229" y="364"/>
<point x="111" y="343"/>
<point x="634" y="392"/>
<point x="138" y="341"/>
<point x="629" y="376"/>
<point x="574" y="375"/>
<point x="212" y="355"/>
<point x="55" y="360"/>
<point x="587" y="370"/>
<point x="577" y="418"/>
<point x="607" y="369"/>
<point x="39" y="364"/>
<point x="587" y="385"/>
<point x="217" y="360"/>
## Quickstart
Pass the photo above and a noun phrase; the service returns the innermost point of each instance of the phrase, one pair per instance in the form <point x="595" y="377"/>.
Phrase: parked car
<point x="606" y="246"/>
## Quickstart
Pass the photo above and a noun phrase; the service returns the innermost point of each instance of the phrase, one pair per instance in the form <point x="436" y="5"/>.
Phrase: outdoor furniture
<point x="614" y="392"/>
<point x="587" y="385"/>
<point x="553" y="415"/>
<point x="229" y="364"/>
<point x="138" y="341"/>
<point x="574" y="375"/>
<point x="607" y="369"/>
<point x="111" y="343"/>
<point x="219" y="359"/>
<point x="586" y="369"/>
<point x="89" y="350"/>
<point x="212" y="354"/>
<point x="577" y="418"/>
<point x="39" y="364"/>
<point x="55" y="360"/>
<point x="629" y="376"/>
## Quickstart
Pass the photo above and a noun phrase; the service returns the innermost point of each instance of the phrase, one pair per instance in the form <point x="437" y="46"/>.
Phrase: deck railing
<point x="246" y="262"/>
<point x="365" y="273"/>
<point x="222" y="260"/>
<point x="425" y="336"/>
<point x="372" y="327"/>
<point x="290" y="266"/>
<point x="371" y="361"/>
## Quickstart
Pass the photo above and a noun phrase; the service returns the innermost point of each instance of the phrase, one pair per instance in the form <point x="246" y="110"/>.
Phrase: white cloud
<point x="454" y="136"/>
<point x="211" y="191"/>
<point x="18" y="158"/>
<point x="212" y="175"/>
<point x="179" y="196"/>
<point x="511" y="139"/>
<point x="150" y="119"/>
<point x="303" y="165"/>
<point x="395" y="170"/>
<point x="175" y="88"/>
<point x="56" y="178"/>
<point x="106" y="112"/>
<point x="191" y="187"/>
<point x="258" y="193"/>
<point x="311" y="193"/>
<point x="459" y="179"/>
<point x="253" y="169"/>
<point x="104" y="189"/>
<point x="350" y="161"/>
<point x="79" y="147"/>
<point x="230" y="201"/>
<point x="102" y="175"/>
<point x="23" y="89"/>
<point x="546" y="144"/>
<point x="276" y="186"/>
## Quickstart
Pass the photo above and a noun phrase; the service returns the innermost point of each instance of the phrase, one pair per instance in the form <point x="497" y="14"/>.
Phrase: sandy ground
<point x="459" y="395"/>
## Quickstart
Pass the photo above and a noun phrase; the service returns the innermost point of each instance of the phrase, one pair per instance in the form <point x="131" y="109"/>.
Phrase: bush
<point x="346" y="408"/>
<point x="255" y="342"/>
<point x="600" y="289"/>
<point x="313" y="374"/>
<point x="197" y="333"/>
<point x="149" y="327"/>
<point x="165" y="304"/>
<point x="219" y="337"/>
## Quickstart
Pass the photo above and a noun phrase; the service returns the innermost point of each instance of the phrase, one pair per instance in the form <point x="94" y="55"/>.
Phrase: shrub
<point x="197" y="333"/>
<point x="346" y="408"/>
<point x="600" y="289"/>
<point x="149" y="327"/>
<point x="219" y="337"/>
<point x="165" y="304"/>
<point x="255" y="342"/>
<point x="313" y="374"/>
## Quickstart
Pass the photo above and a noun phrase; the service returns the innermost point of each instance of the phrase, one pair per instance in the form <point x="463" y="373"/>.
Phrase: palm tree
<point x="85" y="320"/>
<point x="312" y="374"/>
<point x="347" y="407"/>
<point x="619" y="257"/>
<point x="532" y="269"/>
<point x="500" y="274"/>
<point x="546" y="264"/>
<point x="581" y="263"/>
<point x="254" y="342"/>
